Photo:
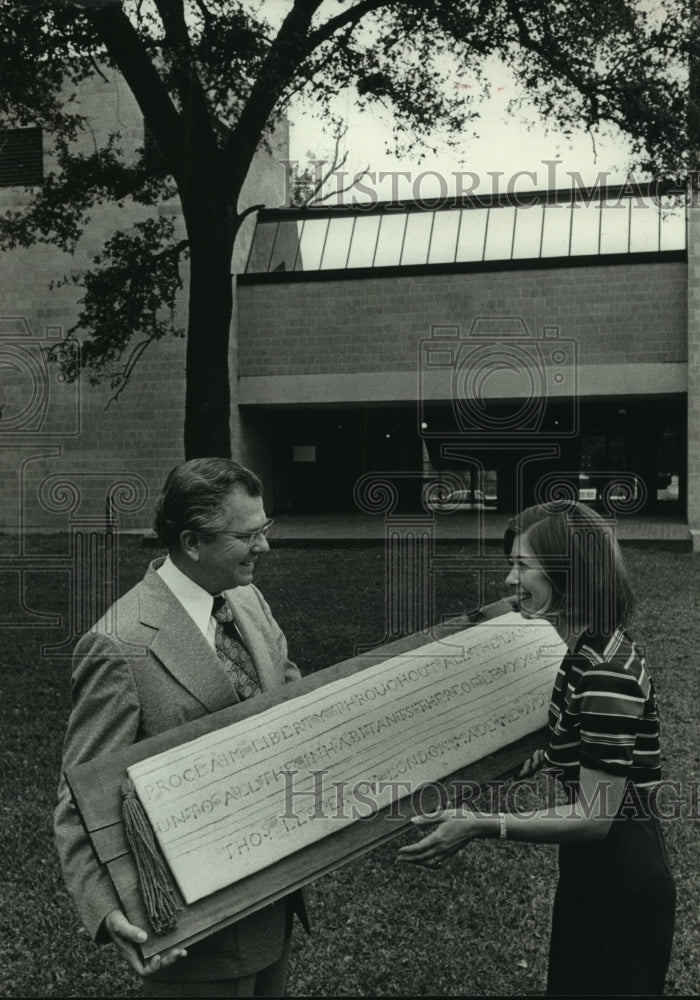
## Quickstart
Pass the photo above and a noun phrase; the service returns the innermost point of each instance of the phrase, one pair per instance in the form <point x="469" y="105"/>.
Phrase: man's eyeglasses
<point x="249" y="537"/>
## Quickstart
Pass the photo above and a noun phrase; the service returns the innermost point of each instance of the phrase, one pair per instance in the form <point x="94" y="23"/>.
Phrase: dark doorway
<point x="321" y="454"/>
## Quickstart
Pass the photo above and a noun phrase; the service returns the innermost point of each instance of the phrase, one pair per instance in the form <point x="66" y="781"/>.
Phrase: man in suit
<point x="157" y="659"/>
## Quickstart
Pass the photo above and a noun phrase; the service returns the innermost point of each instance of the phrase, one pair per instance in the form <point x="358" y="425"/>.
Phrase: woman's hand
<point x="532" y="764"/>
<point x="453" y="829"/>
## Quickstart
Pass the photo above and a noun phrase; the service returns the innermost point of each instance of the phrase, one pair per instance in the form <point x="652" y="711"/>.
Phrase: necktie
<point x="232" y="654"/>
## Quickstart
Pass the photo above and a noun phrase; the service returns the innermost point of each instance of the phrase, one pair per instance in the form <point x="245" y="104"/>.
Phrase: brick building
<point x="516" y="349"/>
<point x="64" y="452"/>
<point x="545" y="347"/>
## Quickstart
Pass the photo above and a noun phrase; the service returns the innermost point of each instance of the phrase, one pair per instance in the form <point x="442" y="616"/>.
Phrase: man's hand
<point x="127" y="936"/>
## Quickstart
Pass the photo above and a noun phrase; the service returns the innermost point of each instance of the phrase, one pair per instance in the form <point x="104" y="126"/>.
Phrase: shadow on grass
<point x="479" y="928"/>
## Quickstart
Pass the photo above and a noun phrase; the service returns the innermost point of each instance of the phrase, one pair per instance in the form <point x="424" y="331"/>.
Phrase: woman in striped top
<point x="613" y="917"/>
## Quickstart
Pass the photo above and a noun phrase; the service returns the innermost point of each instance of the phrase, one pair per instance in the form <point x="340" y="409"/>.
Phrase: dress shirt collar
<point x="196" y="601"/>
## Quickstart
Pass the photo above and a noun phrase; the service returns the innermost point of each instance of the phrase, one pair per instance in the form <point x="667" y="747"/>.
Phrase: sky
<point x="489" y="162"/>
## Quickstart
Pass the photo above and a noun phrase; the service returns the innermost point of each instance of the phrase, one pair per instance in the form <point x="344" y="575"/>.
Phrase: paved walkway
<point x="662" y="532"/>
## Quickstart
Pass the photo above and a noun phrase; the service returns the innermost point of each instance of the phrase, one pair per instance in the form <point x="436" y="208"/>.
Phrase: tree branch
<point x="173" y="251"/>
<point x="123" y="377"/>
<point x="195" y="109"/>
<point x="248" y="211"/>
<point x="288" y="49"/>
<point x="97" y="69"/>
<point x="294" y="43"/>
<point x="308" y="190"/>
<point x="350" y="17"/>
<point x="209" y="25"/>
<point x="126" y="50"/>
<point x="554" y="57"/>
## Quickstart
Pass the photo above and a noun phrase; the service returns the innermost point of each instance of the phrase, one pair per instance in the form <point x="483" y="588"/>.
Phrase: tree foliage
<point x="212" y="77"/>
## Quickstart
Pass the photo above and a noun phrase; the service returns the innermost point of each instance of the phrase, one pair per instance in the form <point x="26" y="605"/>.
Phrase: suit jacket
<point x="143" y="669"/>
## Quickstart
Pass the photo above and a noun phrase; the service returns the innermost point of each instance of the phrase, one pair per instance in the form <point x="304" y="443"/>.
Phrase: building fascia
<point x="633" y="379"/>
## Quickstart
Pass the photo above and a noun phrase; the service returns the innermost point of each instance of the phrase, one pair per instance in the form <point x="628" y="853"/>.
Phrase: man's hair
<point x="194" y="493"/>
<point x="581" y="558"/>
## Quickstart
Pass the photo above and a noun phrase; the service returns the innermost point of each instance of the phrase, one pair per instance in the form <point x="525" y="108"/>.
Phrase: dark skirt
<point x="613" y="917"/>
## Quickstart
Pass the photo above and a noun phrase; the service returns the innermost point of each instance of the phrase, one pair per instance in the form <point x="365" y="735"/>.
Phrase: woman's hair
<point x="580" y="557"/>
<point x="194" y="493"/>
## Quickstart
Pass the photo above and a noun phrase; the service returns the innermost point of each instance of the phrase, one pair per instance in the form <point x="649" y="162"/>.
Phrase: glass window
<point x="499" y="238"/>
<point x="263" y="240"/>
<point x="470" y="245"/>
<point x="284" y="252"/>
<point x="585" y="228"/>
<point x="337" y="248"/>
<point x="364" y="240"/>
<point x="390" y="239"/>
<point x="435" y="237"/>
<point x="614" y="226"/>
<point x="299" y="260"/>
<point x="417" y="242"/>
<point x="644" y="226"/>
<point x="555" y="232"/>
<point x="443" y="242"/>
<point x="672" y="226"/>
<point x="528" y="229"/>
<point x="311" y="240"/>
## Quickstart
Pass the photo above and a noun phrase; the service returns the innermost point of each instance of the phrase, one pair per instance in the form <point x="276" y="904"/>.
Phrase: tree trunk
<point x="208" y="394"/>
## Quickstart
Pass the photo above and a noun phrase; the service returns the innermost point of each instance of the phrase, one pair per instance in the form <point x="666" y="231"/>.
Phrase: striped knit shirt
<point x="603" y="712"/>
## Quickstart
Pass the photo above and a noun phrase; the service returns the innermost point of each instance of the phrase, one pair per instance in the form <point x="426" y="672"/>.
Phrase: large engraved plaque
<point x="234" y="801"/>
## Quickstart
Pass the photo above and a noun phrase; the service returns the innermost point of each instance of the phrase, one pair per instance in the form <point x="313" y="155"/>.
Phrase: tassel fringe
<point x="154" y="878"/>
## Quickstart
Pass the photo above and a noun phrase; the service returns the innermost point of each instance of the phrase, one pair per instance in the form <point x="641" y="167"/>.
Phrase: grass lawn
<point x="381" y="929"/>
